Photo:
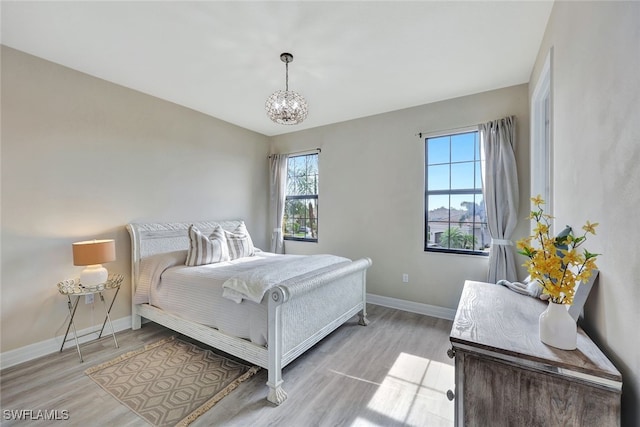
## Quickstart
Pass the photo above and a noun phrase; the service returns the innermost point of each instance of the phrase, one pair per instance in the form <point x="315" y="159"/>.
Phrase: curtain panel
<point x="277" y="185"/>
<point x="500" y="188"/>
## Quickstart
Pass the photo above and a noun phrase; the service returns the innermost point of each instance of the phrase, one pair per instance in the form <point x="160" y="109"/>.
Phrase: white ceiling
<point x="352" y="59"/>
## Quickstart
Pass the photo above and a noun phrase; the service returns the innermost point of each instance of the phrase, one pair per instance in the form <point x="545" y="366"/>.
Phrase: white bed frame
<point x="300" y="313"/>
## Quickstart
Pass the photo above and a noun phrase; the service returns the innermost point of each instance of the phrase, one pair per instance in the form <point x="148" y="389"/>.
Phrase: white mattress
<point x="196" y="294"/>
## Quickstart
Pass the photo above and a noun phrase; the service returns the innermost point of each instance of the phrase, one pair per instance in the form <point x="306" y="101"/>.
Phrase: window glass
<point x="463" y="175"/>
<point x="438" y="150"/>
<point x="463" y="147"/>
<point x="438" y="176"/>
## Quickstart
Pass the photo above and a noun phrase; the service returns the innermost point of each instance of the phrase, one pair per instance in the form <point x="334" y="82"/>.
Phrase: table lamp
<point x="92" y="253"/>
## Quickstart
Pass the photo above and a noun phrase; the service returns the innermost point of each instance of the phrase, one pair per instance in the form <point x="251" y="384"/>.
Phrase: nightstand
<point x="73" y="288"/>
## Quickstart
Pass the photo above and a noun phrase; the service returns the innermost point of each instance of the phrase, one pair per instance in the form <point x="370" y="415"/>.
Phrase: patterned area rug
<point x="170" y="382"/>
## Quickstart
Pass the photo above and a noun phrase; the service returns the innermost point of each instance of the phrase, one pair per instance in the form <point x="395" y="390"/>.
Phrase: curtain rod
<point x="319" y="150"/>
<point x="445" y="131"/>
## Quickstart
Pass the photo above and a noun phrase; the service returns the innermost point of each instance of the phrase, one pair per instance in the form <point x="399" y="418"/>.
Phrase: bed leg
<point x="276" y="394"/>
<point x="363" y="321"/>
<point x="136" y="321"/>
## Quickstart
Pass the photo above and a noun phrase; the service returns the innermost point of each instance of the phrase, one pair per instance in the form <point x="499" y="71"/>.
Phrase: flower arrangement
<point x="556" y="263"/>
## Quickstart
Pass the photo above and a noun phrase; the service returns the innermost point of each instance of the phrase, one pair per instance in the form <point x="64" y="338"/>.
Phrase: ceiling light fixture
<point x="284" y="106"/>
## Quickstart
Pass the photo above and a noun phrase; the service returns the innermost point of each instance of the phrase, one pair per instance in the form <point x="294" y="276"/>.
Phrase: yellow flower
<point x="541" y="228"/>
<point x="547" y="216"/>
<point x="590" y="265"/>
<point x="590" y="228"/>
<point x="524" y="243"/>
<point x="557" y="265"/>
<point x="571" y="257"/>
<point x="537" y="200"/>
<point x="584" y="275"/>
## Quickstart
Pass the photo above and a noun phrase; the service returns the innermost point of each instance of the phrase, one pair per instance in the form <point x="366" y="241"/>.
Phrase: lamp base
<point x="93" y="275"/>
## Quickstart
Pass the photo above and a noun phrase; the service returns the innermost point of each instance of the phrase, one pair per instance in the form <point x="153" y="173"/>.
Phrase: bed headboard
<point x="157" y="237"/>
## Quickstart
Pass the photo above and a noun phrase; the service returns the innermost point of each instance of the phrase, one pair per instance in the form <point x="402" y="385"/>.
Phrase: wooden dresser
<point x="505" y="376"/>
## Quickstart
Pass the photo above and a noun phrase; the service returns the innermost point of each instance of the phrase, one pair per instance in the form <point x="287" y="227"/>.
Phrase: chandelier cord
<point x="286" y="64"/>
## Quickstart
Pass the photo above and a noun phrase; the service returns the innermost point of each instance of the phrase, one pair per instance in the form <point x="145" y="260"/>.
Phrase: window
<point x="455" y="216"/>
<point x="301" y="203"/>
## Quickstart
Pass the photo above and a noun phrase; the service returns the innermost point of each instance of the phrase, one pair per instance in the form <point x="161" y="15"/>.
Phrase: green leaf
<point x="589" y="255"/>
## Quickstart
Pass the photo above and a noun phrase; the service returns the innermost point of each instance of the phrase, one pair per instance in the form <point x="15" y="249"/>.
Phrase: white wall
<point x="80" y="159"/>
<point x="596" y="134"/>
<point x="371" y="194"/>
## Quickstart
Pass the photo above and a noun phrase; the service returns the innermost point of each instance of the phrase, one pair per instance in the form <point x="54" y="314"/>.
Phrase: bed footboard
<point x="303" y="313"/>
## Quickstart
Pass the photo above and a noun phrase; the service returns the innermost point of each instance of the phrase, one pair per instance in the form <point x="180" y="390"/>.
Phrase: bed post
<point x="363" y="314"/>
<point x="136" y="319"/>
<point x="276" y="394"/>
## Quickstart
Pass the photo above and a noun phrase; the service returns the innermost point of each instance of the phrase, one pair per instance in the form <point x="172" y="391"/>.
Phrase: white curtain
<point x="500" y="188"/>
<point x="278" y="182"/>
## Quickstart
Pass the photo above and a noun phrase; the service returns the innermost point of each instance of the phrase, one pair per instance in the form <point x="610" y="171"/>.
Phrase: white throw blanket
<point x="254" y="283"/>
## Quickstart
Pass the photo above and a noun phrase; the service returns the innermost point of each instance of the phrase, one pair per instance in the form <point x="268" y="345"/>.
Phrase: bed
<point x="299" y="311"/>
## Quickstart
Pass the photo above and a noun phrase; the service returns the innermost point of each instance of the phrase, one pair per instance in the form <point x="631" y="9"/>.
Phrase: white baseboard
<point x="412" y="307"/>
<point x="42" y="348"/>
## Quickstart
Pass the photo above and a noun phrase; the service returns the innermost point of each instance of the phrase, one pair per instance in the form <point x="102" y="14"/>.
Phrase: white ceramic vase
<point x="557" y="327"/>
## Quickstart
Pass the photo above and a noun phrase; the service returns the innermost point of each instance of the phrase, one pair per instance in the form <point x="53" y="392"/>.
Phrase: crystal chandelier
<point x="284" y="106"/>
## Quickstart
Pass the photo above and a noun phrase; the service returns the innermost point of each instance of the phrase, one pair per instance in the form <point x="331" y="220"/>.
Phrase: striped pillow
<point x="239" y="242"/>
<point x="206" y="250"/>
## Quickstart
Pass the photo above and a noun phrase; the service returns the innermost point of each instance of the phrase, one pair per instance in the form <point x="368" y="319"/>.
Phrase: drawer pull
<point x="450" y="395"/>
<point x="451" y="353"/>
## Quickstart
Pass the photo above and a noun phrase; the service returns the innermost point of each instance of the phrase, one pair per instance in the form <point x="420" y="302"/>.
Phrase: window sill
<point x="458" y="252"/>
<point x="296" y="239"/>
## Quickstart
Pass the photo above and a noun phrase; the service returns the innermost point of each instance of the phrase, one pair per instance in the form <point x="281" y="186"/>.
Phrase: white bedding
<point x="196" y="293"/>
<point x="253" y="283"/>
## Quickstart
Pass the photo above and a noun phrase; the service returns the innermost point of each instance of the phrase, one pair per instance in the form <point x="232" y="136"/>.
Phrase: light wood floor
<point x="394" y="372"/>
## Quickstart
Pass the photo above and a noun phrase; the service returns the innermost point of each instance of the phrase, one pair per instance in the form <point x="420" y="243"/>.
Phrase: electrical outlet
<point x="88" y="299"/>
<point x="405" y="278"/>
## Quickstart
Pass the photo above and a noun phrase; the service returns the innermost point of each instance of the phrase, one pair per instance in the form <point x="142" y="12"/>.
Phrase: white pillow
<point x="239" y="242"/>
<point x="206" y="250"/>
